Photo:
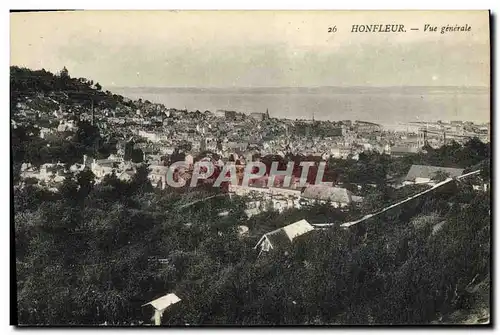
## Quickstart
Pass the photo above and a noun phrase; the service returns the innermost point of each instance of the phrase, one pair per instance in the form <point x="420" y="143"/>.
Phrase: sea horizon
<point x="379" y="104"/>
<point x="336" y="87"/>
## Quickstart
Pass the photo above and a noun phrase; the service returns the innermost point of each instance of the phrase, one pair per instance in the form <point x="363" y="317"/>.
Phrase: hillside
<point x="41" y="101"/>
<point x="45" y="91"/>
<point x="94" y="249"/>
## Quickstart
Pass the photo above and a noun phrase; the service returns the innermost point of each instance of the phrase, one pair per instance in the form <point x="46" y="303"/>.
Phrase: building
<point x="426" y="174"/>
<point x="126" y="175"/>
<point x="264" y="190"/>
<point x="161" y="304"/>
<point x="45" y="131"/>
<point x="48" y="173"/>
<point x="402" y="151"/>
<point x="153" y="137"/>
<point x="335" y="196"/>
<point x="68" y="125"/>
<point x="158" y="175"/>
<point x="367" y="127"/>
<point x="103" y="167"/>
<point x="220" y="113"/>
<point x="333" y="132"/>
<point x="243" y="231"/>
<point x="208" y="144"/>
<point x="340" y="152"/>
<point x="283" y="236"/>
<point x="267" y="198"/>
<point x="235" y="146"/>
<point x="230" y="115"/>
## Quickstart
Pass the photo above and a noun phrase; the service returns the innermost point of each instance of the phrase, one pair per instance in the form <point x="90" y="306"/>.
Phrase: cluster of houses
<point x="263" y="198"/>
<point x="237" y="137"/>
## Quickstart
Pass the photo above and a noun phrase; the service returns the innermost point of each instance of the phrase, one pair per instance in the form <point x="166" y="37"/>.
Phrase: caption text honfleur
<point x="400" y="28"/>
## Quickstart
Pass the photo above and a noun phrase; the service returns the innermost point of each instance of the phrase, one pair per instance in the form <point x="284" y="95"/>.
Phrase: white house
<point x="48" y="173"/>
<point x="335" y="196"/>
<point x="126" y="175"/>
<point x="45" y="131"/>
<point x="103" y="167"/>
<point x="161" y="304"/>
<point x="266" y="198"/>
<point x="158" y="175"/>
<point x="283" y="236"/>
<point x="426" y="174"/>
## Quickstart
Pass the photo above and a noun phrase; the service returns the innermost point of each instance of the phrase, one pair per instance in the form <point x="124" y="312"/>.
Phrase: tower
<point x="419" y="138"/>
<point x="422" y="137"/>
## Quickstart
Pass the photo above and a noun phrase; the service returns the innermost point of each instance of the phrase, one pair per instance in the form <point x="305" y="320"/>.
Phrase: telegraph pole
<point x="92" y="109"/>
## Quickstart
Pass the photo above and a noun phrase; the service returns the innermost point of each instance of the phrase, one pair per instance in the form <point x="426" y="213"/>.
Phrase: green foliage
<point x="137" y="156"/>
<point x="26" y="83"/>
<point x="102" y="259"/>
<point x="88" y="136"/>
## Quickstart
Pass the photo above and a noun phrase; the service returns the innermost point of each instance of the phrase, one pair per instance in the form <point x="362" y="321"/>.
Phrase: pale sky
<point x="254" y="48"/>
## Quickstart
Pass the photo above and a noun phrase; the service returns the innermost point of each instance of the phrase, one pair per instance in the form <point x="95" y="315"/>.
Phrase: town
<point x="72" y="142"/>
<point x="138" y="133"/>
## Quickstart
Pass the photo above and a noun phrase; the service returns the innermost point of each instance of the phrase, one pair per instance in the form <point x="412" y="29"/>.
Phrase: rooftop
<point x="323" y="192"/>
<point x="427" y="171"/>
<point x="286" y="234"/>
<point x="163" y="302"/>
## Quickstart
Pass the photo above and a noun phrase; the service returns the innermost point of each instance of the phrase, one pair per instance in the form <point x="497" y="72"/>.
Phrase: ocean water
<point x="387" y="106"/>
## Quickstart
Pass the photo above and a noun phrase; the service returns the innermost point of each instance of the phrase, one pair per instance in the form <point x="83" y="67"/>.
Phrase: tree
<point x="185" y="146"/>
<point x="137" y="156"/>
<point x="485" y="169"/>
<point x="98" y="86"/>
<point x="88" y="136"/>
<point x="85" y="180"/>
<point x="140" y="182"/>
<point x="177" y="156"/>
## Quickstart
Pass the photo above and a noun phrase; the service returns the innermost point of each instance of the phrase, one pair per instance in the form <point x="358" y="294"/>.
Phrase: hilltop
<point x="44" y="91"/>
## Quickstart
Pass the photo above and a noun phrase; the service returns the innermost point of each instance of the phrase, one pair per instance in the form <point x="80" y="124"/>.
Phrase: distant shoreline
<point x="382" y="105"/>
<point x="318" y="89"/>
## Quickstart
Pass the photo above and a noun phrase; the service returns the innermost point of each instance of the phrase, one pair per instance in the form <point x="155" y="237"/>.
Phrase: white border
<point x="255" y="4"/>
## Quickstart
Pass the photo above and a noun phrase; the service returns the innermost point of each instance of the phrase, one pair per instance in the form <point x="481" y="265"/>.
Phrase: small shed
<point x="283" y="236"/>
<point x="161" y="304"/>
